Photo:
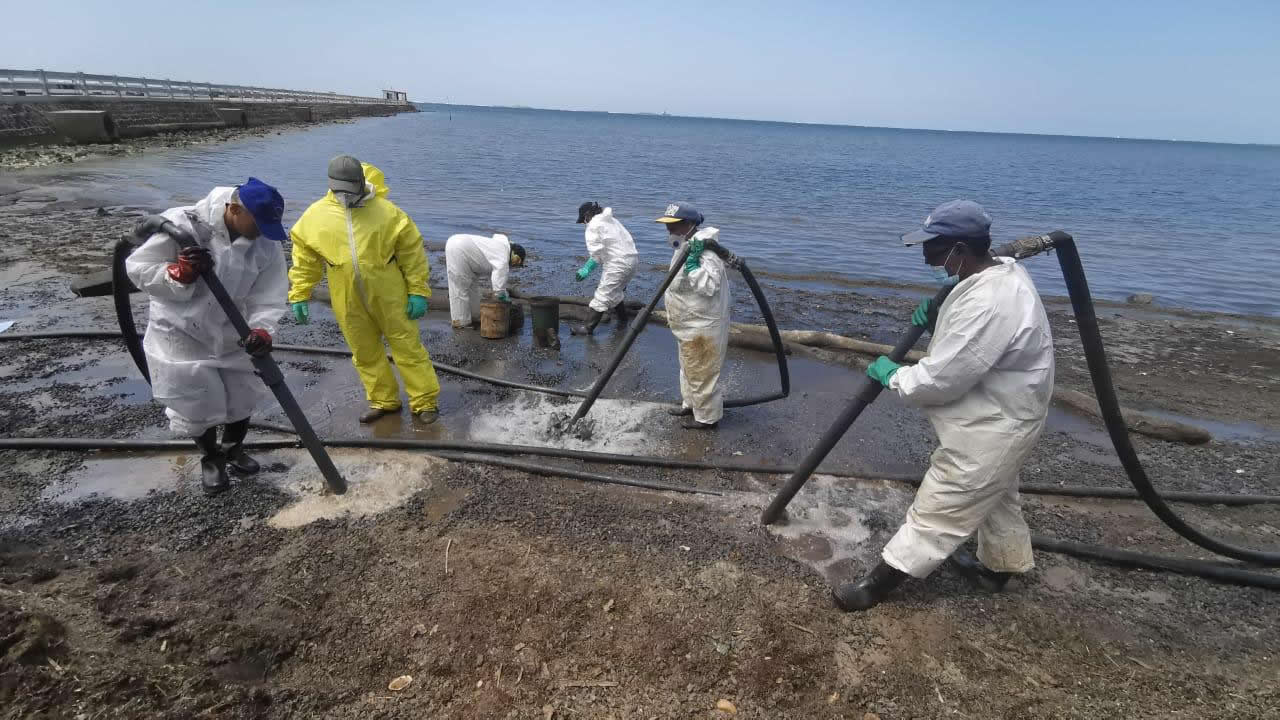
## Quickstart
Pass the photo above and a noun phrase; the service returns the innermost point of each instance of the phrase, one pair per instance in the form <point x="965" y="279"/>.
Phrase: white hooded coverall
<point x="198" y="369"/>
<point x="985" y="385"/>
<point x="698" y="313"/>
<point x="468" y="260"/>
<point x="609" y="244"/>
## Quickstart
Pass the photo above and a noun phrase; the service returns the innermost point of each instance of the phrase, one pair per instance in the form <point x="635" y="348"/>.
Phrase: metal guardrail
<point x="41" y="83"/>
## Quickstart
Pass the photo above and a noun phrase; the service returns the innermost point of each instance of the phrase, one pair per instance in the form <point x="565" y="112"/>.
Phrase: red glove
<point x="191" y="262"/>
<point x="258" y="343"/>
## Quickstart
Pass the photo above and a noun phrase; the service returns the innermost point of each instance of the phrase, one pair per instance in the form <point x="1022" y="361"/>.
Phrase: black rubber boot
<point x="870" y="590"/>
<point x="622" y="314"/>
<point x="233" y="448"/>
<point x="590" y="327"/>
<point x="972" y="569"/>
<point x="679" y="411"/>
<point x="376" y="414"/>
<point x="213" y="466"/>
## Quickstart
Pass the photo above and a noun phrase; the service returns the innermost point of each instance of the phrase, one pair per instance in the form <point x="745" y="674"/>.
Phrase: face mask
<point x="347" y="199"/>
<point x="677" y="238"/>
<point x="940" y="274"/>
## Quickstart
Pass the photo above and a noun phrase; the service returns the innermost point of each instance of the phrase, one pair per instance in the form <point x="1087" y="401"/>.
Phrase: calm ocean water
<point x="1196" y="225"/>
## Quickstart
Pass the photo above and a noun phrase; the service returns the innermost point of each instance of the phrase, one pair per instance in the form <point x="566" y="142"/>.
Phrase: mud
<point x="124" y="592"/>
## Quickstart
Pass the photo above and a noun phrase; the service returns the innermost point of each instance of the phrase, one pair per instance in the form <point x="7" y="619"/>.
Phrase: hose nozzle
<point x="1032" y="245"/>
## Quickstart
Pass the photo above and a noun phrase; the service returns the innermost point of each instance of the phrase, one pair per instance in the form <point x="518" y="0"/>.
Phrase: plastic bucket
<point x="495" y="319"/>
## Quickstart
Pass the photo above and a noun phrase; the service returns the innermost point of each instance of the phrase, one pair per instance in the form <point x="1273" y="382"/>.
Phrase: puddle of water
<point x="23" y="273"/>
<point x="377" y="481"/>
<point x="124" y="476"/>
<point x="621" y="426"/>
<point x="1243" y="433"/>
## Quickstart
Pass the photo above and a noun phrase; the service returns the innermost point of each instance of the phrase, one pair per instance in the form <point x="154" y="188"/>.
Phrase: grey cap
<point x="346" y="175"/>
<point x="956" y="219"/>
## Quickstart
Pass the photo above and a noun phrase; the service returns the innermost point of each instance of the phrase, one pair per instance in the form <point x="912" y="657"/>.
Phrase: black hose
<point x="1109" y="403"/>
<point x="121" y="286"/>
<point x="867" y="394"/>
<point x="434" y="446"/>
<point x="739" y="264"/>
<point x="556" y="471"/>
<point x="1127" y="558"/>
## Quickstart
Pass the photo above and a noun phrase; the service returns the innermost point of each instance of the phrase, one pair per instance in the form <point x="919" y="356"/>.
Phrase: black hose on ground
<point x="437" y="446"/>
<point x="1127" y="558"/>
<point x="557" y="471"/>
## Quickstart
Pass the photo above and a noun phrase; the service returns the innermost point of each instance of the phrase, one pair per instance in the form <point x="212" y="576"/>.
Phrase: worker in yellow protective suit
<point x="378" y="284"/>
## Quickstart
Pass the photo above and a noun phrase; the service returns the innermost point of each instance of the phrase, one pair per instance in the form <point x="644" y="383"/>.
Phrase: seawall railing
<point x="23" y="85"/>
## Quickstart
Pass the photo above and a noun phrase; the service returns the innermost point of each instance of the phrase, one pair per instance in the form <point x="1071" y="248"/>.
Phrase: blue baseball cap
<point x="955" y="219"/>
<point x="266" y="206"/>
<point x="681" y="211"/>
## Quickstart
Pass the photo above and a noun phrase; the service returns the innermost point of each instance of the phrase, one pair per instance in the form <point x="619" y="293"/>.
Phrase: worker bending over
<point x="378" y="284"/>
<point x="199" y="369"/>
<point x="697" y="304"/>
<point x="609" y="245"/>
<point x="468" y="260"/>
<point x="985" y="384"/>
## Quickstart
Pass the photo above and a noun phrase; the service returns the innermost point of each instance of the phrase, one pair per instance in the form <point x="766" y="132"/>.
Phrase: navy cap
<point x="266" y="206"/>
<point x="957" y="219"/>
<point x="681" y="211"/>
<point x="588" y="207"/>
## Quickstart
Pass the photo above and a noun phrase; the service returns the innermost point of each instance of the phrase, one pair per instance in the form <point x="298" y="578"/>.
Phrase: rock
<point x="870" y="716"/>
<point x="417" y="630"/>
<point x="1140" y="299"/>
<point x="727" y="707"/>
<point x="217" y="655"/>
<point x="400" y="683"/>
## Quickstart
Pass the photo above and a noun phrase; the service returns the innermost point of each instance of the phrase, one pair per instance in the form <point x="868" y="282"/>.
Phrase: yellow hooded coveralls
<point x="375" y="259"/>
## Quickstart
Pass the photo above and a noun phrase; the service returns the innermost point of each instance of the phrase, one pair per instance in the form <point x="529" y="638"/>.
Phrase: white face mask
<point x="676" y="238"/>
<point x="347" y="199"/>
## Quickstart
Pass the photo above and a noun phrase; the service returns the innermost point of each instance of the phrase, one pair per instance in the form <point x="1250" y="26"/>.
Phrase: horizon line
<point x="851" y="125"/>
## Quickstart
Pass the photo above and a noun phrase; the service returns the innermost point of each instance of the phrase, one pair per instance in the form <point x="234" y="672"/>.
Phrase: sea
<point x="1195" y="225"/>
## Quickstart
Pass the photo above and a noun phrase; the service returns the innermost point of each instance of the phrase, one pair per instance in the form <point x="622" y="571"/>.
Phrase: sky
<point x="1168" y="70"/>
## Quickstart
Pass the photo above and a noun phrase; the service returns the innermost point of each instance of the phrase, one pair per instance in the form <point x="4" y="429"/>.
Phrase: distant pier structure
<point x="41" y="106"/>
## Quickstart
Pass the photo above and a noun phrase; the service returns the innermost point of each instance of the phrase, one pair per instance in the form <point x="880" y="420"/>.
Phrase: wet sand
<point x="123" y="591"/>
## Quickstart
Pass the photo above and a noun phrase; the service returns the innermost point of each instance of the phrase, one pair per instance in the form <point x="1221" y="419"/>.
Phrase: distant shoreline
<point x="711" y="118"/>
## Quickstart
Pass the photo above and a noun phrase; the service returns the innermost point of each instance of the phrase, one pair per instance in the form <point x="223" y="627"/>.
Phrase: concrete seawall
<point x="41" y="120"/>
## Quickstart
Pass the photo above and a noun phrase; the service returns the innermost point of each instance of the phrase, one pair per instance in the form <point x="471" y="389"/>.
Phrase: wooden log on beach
<point x="1137" y="422"/>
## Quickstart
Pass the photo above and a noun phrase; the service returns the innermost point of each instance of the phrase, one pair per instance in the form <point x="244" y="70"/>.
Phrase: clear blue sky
<point x="1177" y="70"/>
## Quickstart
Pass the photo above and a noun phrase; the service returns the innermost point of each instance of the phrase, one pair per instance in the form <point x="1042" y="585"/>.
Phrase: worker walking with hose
<point x="378" y="284"/>
<point x="199" y="368"/>
<point x="698" y="313"/>
<point x="985" y="384"/>
<point x="610" y="246"/>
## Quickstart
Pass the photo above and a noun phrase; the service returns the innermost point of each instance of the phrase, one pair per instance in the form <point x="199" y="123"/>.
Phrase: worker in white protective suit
<point x="698" y="313"/>
<point x="200" y="366"/>
<point x="985" y="384"/>
<point x="610" y="246"/>
<point x="469" y="261"/>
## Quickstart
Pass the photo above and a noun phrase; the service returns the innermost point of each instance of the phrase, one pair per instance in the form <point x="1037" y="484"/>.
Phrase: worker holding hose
<point x="698" y="313"/>
<point x="610" y="246"/>
<point x="199" y="367"/>
<point x="985" y="384"/>
<point x="378" y="284"/>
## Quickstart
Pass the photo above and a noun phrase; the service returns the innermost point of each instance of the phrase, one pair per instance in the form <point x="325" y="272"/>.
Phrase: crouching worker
<point x="378" y="285"/>
<point x="697" y="304"/>
<point x="985" y="385"/>
<point x="469" y="260"/>
<point x="199" y="369"/>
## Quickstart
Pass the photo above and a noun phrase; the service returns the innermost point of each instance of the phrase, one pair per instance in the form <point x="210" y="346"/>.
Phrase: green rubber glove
<point x="416" y="308"/>
<point x="504" y="298"/>
<point x="882" y="369"/>
<point x="925" y="315"/>
<point x="694" y="261"/>
<point x="302" y="312"/>
<point x="587" y="269"/>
